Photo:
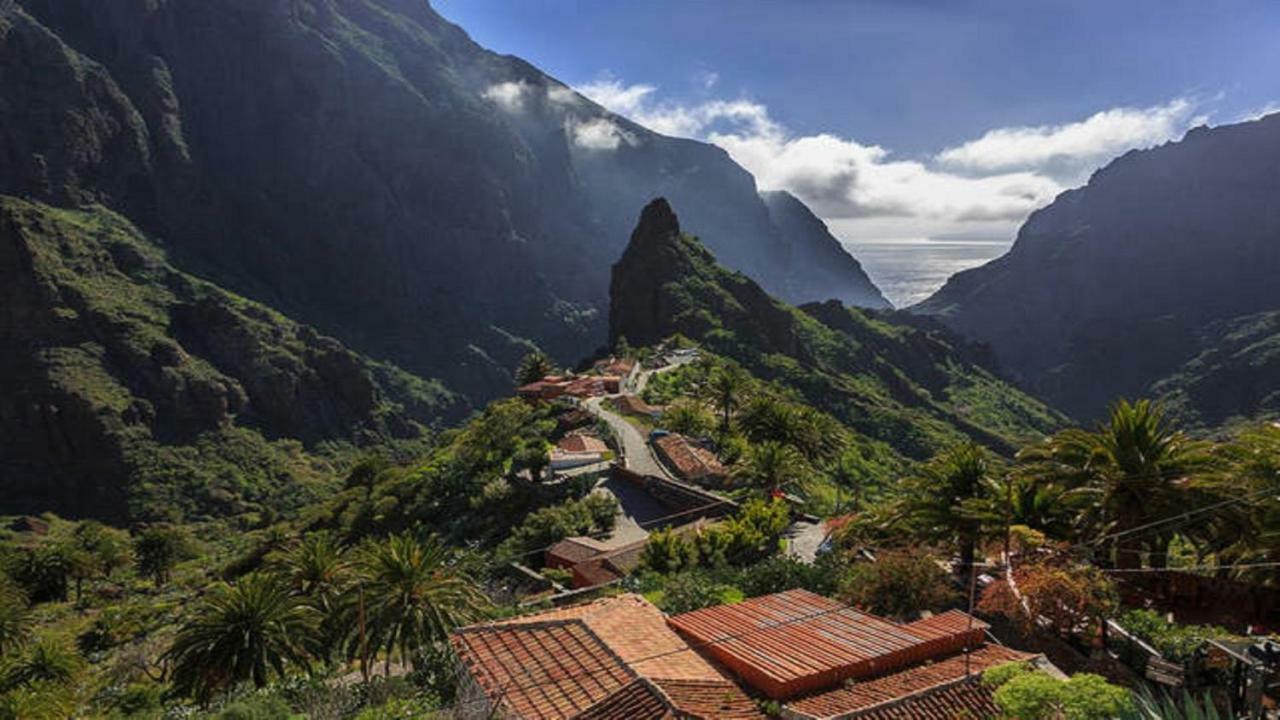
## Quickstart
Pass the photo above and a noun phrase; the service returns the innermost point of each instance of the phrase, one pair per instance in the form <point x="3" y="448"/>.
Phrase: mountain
<point x="1123" y="282"/>
<point x="364" y="167"/>
<point x="891" y="376"/>
<point x="132" y="390"/>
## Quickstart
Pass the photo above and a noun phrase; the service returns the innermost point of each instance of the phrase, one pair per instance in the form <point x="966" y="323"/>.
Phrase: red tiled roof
<point x="796" y="641"/>
<point x="582" y="444"/>
<point x="911" y="693"/>
<point x="638" y="701"/>
<point x="574" y="550"/>
<point x="962" y="700"/>
<point x="634" y="405"/>
<point x="541" y="670"/>
<point x="710" y="699"/>
<point x="670" y="699"/>
<point x="690" y="461"/>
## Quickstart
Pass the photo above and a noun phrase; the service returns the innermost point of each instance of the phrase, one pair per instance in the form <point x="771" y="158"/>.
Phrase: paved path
<point x="637" y="455"/>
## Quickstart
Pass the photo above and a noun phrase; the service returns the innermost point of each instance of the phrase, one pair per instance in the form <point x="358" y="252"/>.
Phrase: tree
<point x="725" y="387"/>
<point x="898" y="584"/>
<point x="108" y="546"/>
<point x="409" y="597"/>
<point x="688" y="418"/>
<point x="316" y="567"/>
<point x="158" y="549"/>
<point x="1134" y="468"/>
<point x="852" y="471"/>
<point x="1075" y="599"/>
<point x="535" y="366"/>
<point x="667" y="552"/>
<point x="772" y="465"/>
<point x="241" y="633"/>
<point x="938" y="501"/>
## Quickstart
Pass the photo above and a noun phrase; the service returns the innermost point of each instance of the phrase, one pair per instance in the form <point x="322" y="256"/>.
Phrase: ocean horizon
<point x="908" y="270"/>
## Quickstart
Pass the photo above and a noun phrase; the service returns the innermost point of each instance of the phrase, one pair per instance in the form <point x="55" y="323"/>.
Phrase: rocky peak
<point x="657" y="220"/>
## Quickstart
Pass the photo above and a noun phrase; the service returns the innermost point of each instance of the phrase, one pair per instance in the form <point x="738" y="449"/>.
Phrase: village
<point x="604" y="650"/>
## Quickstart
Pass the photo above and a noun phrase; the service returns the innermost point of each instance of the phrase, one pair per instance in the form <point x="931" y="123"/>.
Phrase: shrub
<point x="898" y="584"/>
<point x="257" y="707"/>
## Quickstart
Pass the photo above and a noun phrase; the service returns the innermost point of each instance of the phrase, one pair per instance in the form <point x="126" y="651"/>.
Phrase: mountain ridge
<point x="1110" y="288"/>
<point x="354" y="164"/>
<point x="899" y="379"/>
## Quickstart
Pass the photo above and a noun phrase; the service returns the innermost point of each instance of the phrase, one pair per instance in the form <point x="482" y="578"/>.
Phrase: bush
<point x="899" y="585"/>
<point x="695" y="590"/>
<point x="258" y="707"/>
<point x="1175" y="642"/>
<point x="1024" y="693"/>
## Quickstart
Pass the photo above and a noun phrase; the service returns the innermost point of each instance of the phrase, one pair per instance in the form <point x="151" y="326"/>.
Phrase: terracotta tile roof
<point x="634" y="405"/>
<point x="574" y="550"/>
<point x="541" y="670"/>
<point x="670" y="699"/>
<point x="634" y="629"/>
<point x="638" y="701"/>
<point x="796" y="641"/>
<point x="963" y="700"/>
<point x="690" y="460"/>
<point x="608" y="566"/>
<point x="617" y="658"/>
<point x="718" y="699"/>
<point x="896" y="694"/>
<point x="582" y="444"/>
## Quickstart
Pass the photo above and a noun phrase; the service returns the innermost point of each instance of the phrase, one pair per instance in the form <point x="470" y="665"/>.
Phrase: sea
<point x="910" y="270"/>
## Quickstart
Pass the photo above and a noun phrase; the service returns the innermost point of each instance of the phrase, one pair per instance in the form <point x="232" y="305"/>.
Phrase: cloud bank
<point x="986" y="185"/>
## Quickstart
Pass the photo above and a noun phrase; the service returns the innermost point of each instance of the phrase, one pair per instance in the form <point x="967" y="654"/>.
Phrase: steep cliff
<point x="1114" y="285"/>
<point x="365" y="167"/>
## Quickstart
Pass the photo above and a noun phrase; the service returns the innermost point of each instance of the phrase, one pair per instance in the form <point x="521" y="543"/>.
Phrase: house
<point x="689" y="461"/>
<point x="620" y="657"/>
<point x="581" y="386"/>
<point x="548" y="388"/>
<point x="592" y="562"/>
<point x="573" y="550"/>
<point x="633" y="405"/>
<point x="612" y="365"/>
<point x="612" y="658"/>
<point x="578" y="450"/>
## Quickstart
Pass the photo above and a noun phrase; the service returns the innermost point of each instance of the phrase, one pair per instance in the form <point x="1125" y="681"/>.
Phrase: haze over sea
<point x="910" y="270"/>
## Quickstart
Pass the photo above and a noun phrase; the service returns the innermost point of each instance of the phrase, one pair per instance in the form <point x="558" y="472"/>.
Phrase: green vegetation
<point x="180" y="399"/>
<point x="1023" y="693"/>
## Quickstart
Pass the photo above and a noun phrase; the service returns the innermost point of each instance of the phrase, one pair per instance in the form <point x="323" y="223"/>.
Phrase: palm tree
<point x="317" y="568"/>
<point x="939" y="500"/>
<point x="408" y="597"/>
<point x="535" y="366"/>
<point x="725" y="387"/>
<point x="772" y="465"/>
<point x="243" y="632"/>
<point x="851" y="471"/>
<point x="1135" y="468"/>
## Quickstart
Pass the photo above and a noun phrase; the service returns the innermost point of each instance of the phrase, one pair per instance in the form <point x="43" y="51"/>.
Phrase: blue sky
<point x="905" y="119"/>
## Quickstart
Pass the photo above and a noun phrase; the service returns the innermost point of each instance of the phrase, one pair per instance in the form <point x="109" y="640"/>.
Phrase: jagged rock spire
<point x="656" y="220"/>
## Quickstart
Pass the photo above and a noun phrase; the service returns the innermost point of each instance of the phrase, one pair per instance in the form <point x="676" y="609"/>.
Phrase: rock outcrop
<point x="900" y="379"/>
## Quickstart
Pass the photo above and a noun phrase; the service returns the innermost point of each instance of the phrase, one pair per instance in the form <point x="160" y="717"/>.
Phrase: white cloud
<point x="561" y="95"/>
<point x="596" y="134"/>
<point x="989" y="184"/>
<point x="509" y="96"/>
<point x="1072" y="150"/>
